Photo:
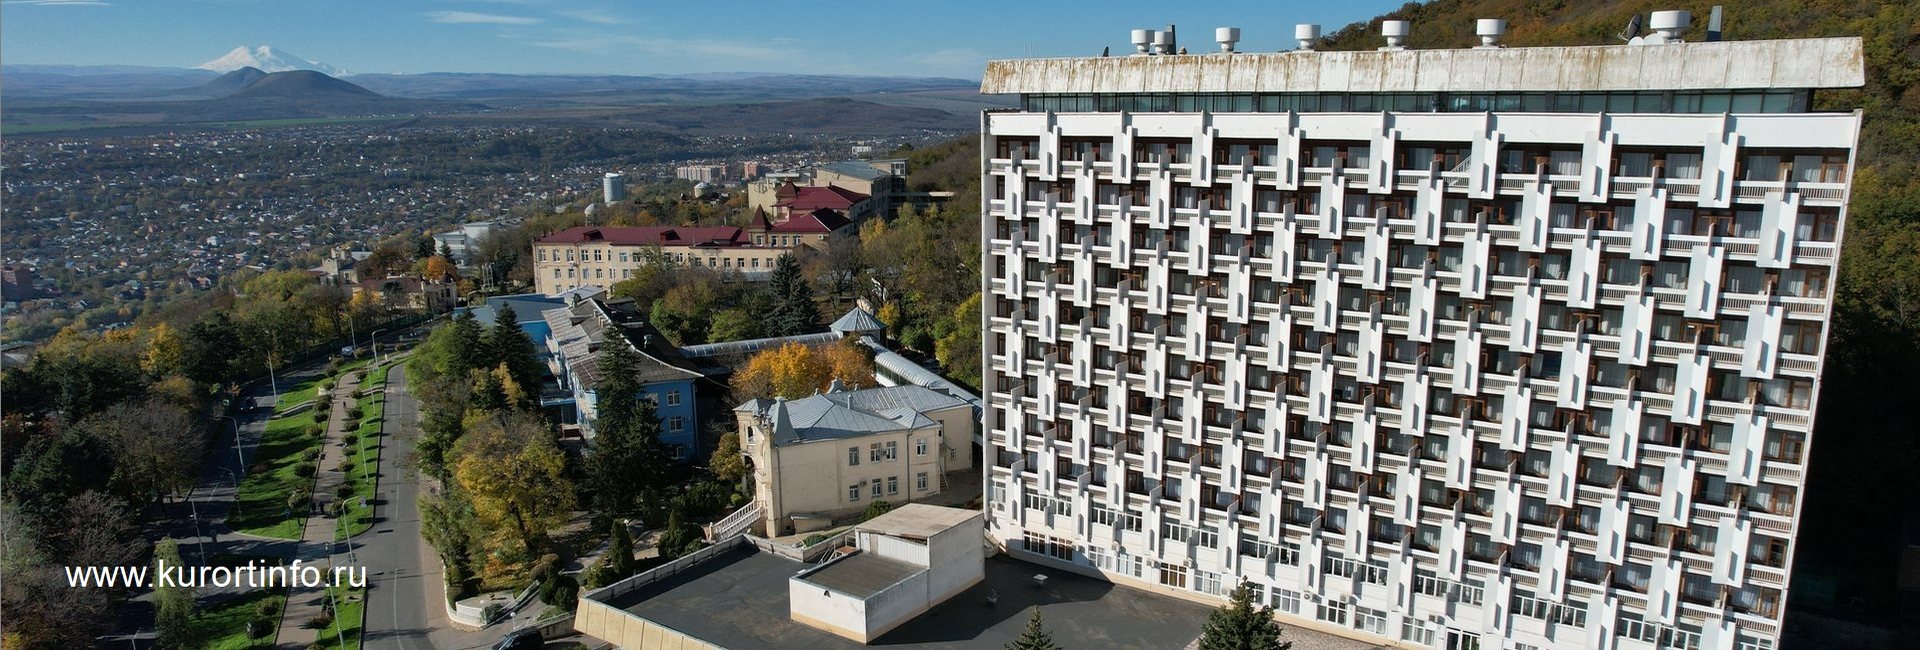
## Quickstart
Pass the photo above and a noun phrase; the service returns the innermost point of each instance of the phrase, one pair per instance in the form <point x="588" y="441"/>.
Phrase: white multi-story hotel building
<point x="1481" y="348"/>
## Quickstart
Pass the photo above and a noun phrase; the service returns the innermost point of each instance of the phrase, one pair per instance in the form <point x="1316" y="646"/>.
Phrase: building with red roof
<point x="599" y="256"/>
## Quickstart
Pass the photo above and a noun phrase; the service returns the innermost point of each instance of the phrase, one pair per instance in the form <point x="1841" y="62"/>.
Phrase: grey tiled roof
<point x="847" y="414"/>
<point x="857" y="321"/>
<point x="579" y="331"/>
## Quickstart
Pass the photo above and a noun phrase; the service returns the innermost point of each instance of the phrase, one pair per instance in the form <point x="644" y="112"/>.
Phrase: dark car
<point x="527" y="639"/>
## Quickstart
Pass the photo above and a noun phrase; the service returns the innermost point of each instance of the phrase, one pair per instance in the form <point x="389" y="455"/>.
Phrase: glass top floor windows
<point x="1667" y="101"/>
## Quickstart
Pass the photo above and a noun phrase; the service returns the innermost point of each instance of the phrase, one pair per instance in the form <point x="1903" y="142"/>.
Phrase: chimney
<point x="1395" y="32"/>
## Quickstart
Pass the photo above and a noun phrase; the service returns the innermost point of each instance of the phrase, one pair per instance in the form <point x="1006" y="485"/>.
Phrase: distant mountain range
<point x="267" y="59"/>
<point x="50" y="98"/>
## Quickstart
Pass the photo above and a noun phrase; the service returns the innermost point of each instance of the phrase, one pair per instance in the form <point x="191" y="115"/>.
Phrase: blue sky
<point x="876" y="37"/>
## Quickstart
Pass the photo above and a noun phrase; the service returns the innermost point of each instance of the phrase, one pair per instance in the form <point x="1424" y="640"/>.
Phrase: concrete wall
<point x="958" y="558"/>
<point x="956" y="428"/>
<point x="829" y="610"/>
<point x="626" y="630"/>
<point x="898" y="604"/>
<point x="813" y="477"/>
<point x="893" y="548"/>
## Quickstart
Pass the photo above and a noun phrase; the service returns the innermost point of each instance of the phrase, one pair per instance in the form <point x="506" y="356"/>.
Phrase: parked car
<point x="522" y="639"/>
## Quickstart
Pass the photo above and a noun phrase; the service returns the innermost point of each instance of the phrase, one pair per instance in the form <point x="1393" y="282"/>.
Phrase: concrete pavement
<point x="317" y="536"/>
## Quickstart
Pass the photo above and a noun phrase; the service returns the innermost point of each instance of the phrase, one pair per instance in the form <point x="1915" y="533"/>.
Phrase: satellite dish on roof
<point x="1632" y="31"/>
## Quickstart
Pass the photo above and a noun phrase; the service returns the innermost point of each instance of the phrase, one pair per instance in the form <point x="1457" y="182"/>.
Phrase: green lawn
<point x="260" y="507"/>
<point x="366" y="457"/>
<point x="224" y="626"/>
<point x="349" y="618"/>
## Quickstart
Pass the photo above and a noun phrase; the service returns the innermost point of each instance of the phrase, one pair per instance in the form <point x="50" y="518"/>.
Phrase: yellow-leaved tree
<point x="794" y="371"/>
<point x="515" y="475"/>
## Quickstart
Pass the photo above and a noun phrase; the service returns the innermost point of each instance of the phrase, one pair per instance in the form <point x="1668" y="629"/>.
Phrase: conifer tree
<point x="793" y="308"/>
<point x="1239" y="625"/>
<point x="1035" y="637"/>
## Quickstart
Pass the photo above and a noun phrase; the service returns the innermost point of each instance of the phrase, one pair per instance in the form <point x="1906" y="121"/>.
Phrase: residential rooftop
<point x="739" y="600"/>
<point x="849" y="413"/>
<point x="862" y="574"/>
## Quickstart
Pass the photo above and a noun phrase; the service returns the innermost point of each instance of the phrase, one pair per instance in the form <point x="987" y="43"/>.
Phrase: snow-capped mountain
<point x="267" y="59"/>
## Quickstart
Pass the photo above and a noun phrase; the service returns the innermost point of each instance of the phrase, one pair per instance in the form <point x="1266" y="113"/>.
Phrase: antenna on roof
<point x="1632" y="31"/>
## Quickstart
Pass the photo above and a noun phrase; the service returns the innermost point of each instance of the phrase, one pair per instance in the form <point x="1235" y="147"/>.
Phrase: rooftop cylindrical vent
<point x="1142" y="39"/>
<point x="1227" y="37"/>
<point x="1163" y="41"/>
<point x="1667" y="25"/>
<point x="1490" y="31"/>
<point x="1307" y="34"/>
<point x="1395" y="32"/>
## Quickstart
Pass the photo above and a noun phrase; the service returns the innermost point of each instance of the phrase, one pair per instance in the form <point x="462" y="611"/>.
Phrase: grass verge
<point x="260" y="506"/>
<point x="224" y="626"/>
<point x="349" y="619"/>
<point x="364" y="475"/>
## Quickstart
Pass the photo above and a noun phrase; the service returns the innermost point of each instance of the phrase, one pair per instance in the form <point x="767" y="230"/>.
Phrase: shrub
<point x="304" y="470"/>
<point x="320" y="621"/>
<point x="349" y="438"/>
<point x="257" y="468"/>
<point x="326" y="384"/>
<point x="336" y="508"/>
<point x="564" y="594"/>
<point x="319" y="414"/>
<point x="310" y="454"/>
<point x="344" y="490"/>
<point x="814" y="539"/>
<point x="267" y="608"/>
<point x="259" y="628"/>
<point x="875" y="509"/>
<point x="490" y="612"/>
<point x="458" y="582"/>
<point x="354" y="413"/>
<point x="597" y="575"/>
<point x="343" y="465"/>
<point x="546" y="568"/>
<point x="297" y="501"/>
<point x="316" y="646"/>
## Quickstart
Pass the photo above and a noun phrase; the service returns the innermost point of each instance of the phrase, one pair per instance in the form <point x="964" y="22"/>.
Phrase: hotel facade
<point x="1478" y="348"/>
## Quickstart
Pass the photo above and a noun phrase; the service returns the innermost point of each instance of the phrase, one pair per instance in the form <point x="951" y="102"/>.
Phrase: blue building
<point x="577" y="334"/>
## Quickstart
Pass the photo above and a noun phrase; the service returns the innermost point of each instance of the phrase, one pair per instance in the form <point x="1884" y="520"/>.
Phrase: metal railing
<point x="663" y="571"/>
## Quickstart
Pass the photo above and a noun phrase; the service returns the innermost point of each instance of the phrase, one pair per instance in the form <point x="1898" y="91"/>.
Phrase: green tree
<point x="793" y="309"/>
<point x="510" y="345"/>
<point x="627" y="457"/>
<point x="1035" y="637"/>
<point x="735" y="324"/>
<point x="620" y="552"/>
<point x="727" y="463"/>
<point x="173" y="604"/>
<point x="679" y="537"/>
<point x="958" y="346"/>
<point x="1239" y="625"/>
<point x="515" y="475"/>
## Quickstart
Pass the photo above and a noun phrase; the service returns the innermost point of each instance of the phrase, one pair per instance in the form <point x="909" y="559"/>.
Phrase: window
<point x="893" y="485"/>
<point x="876" y="488"/>
<point x="853" y="492"/>
<point x="853" y="455"/>
<point x="676" y="424"/>
<point x="877" y="452"/>
<point x="1287" y="553"/>
<point x="673" y="398"/>
<point x="1524" y="604"/>
<point x="1208" y="582"/>
<point x="1285" y="601"/>
<point x="1173" y="575"/>
<point x="920" y="482"/>
<point x="920" y="447"/>
<point x="1176" y="532"/>
<point x="1370" y="620"/>
<point x="1417" y="631"/>
<point x="1334" y="612"/>
<point x="1059" y="549"/>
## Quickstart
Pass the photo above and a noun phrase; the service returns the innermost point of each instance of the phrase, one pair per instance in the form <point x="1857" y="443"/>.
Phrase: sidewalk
<point x="317" y="537"/>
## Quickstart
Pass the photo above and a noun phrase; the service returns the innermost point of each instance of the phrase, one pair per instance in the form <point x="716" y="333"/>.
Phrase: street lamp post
<point x="238" y="455"/>
<point x="376" y="344"/>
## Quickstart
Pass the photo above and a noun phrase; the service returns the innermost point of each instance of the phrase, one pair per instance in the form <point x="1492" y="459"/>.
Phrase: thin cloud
<point x="591" y="16"/>
<point x="474" y="18"/>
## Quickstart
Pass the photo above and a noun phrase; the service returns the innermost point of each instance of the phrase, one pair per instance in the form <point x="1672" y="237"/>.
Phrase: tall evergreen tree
<point x="173" y="604"/>
<point x="793" y="309"/>
<point x="467" y="344"/>
<point x="627" y="457"/>
<point x="1035" y="637"/>
<point x="1239" y="625"/>
<point x="508" y="344"/>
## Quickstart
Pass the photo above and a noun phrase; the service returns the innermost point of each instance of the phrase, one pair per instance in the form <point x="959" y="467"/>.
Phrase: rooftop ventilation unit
<point x="1396" y="33"/>
<point x="1490" y="31"/>
<point x="1163" y="41"/>
<point x="1142" y="39"/>
<point x="1307" y="34"/>
<point x="1666" y="26"/>
<point x="1227" y="37"/>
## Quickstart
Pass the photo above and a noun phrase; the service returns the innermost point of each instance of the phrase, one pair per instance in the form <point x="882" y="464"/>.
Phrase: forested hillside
<point x="1862" y="460"/>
